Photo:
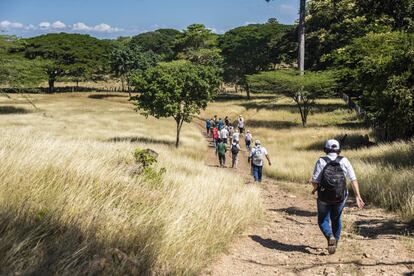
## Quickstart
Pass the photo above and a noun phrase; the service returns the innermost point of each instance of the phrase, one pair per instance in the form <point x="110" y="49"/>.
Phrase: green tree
<point x="67" y="53"/>
<point x="195" y="37"/>
<point x="125" y="62"/>
<point x="15" y="70"/>
<point x="177" y="89"/>
<point x="302" y="89"/>
<point x="379" y="70"/>
<point x="249" y="49"/>
<point x="161" y="42"/>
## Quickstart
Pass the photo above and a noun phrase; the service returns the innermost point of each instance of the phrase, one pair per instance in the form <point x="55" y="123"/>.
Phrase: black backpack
<point x="333" y="182"/>
<point x="234" y="149"/>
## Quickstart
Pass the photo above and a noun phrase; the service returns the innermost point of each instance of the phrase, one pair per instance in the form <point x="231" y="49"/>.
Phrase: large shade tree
<point x="70" y="55"/>
<point x="177" y="89"/>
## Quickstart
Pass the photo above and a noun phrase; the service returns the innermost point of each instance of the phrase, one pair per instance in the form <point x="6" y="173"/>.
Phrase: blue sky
<point x="110" y="19"/>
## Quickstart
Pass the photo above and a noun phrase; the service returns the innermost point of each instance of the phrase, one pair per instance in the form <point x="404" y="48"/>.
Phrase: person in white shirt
<point x="224" y="133"/>
<point x="236" y="136"/>
<point x="256" y="158"/>
<point x="329" y="180"/>
<point x="230" y="128"/>
<point x="240" y="124"/>
<point x="248" y="140"/>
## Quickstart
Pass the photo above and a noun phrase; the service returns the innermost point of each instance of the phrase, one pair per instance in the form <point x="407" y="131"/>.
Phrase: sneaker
<point x="331" y="245"/>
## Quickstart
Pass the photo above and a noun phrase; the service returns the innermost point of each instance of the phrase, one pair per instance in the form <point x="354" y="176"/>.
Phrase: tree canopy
<point x="161" y="42"/>
<point x="177" y="89"/>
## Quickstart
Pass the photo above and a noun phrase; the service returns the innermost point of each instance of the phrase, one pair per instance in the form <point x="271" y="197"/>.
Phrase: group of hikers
<point x="328" y="179"/>
<point x="227" y="136"/>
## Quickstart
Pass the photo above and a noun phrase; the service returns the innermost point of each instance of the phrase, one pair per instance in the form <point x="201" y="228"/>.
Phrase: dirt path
<point x="289" y="242"/>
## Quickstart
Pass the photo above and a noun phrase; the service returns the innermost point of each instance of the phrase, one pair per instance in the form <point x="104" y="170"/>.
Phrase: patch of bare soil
<point x="289" y="242"/>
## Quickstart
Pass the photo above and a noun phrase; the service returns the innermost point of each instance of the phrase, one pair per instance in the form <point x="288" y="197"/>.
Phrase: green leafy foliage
<point x="332" y="25"/>
<point x="70" y="55"/>
<point x="161" y="42"/>
<point x="15" y="70"/>
<point x="304" y="90"/>
<point x="379" y="69"/>
<point x="176" y="89"/>
<point x="126" y="61"/>
<point x="249" y="49"/>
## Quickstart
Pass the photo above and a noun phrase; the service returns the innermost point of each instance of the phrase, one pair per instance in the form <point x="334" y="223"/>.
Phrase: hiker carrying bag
<point x="258" y="157"/>
<point x="234" y="149"/>
<point x="332" y="188"/>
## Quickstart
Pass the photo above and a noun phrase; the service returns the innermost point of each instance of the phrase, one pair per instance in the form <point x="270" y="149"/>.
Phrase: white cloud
<point x="58" y="25"/>
<point x="7" y="25"/>
<point x="44" y="25"/>
<point x="81" y="27"/>
<point x="250" y="23"/>
<point x="102" y="28"/>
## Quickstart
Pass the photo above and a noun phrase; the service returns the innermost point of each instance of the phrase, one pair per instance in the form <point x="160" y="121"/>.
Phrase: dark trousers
<point x="222" y="159"/>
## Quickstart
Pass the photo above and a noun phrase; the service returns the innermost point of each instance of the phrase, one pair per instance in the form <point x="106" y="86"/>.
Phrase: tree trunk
<point x="179" y="125"/>
<point x="122" y="84"/>
<point x="247" y="91"/>
<point x="77" y="85"/>
<point x="51" y="85"/>
<point x="301" y="52"/>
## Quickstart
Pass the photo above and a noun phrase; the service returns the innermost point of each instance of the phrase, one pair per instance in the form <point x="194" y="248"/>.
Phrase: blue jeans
<point x="257" y="173"/>
<point x="329" y="218"/>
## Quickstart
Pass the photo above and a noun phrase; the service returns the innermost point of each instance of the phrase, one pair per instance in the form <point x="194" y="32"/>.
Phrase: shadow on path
<point x="272" y="244"/>
<point x="12" y="110"/>
<point x="295" y="212"/>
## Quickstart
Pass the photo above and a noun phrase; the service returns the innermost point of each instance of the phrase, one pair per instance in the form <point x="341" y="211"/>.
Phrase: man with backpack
<point x="235" y="149"/>
<point x="256" y="158"/>
<point x="240" y="124"/>
<point x="248" y="139"/>
<point x="208" y="127"/>
<point x="329" y="180"/>
<point x="221" y="152"/>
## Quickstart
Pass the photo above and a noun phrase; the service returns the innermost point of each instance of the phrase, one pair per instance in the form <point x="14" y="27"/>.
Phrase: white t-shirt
<point x="248" y="137"/>
<point x="344" y="163"/>
<point x="257" y="155"/>
<point x="236" y="136"/>
<point x="224" y="133"/>
<point x="241" y="123"/>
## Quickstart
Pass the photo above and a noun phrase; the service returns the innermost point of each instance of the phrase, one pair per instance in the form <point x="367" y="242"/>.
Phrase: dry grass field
<point x="72" y="203"/>
<point x="385" y="171"/>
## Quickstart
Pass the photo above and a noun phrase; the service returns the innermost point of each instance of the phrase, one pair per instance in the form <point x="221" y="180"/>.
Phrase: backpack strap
<point x="326" y="159"/>
<point x="339" y="158"/>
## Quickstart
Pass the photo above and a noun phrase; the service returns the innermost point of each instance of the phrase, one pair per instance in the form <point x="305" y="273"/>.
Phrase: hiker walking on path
<point x="227" y="121"/>
<point x="208" y="127"/>
<point x="248" y="140"/>
<point x="236" y="136"/>
<point x="256" y="158"/>
<point x="224" y="134"/>
<point x="329" y="180"/>
<point x="220" y="124"/>
<point x="221" y="152"/>
<point x="240" y="124"/>
<point x="235" y="149"/>
<point x="215" y="135"/>
<point x="231" y="133"/>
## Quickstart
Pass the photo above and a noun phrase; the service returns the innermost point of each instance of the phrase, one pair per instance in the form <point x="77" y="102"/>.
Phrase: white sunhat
<point x="257" y="142"/>
<point x="332" y="144"/>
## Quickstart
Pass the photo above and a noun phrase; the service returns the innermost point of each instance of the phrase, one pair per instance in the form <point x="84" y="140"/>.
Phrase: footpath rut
<point x="288" y="240"/>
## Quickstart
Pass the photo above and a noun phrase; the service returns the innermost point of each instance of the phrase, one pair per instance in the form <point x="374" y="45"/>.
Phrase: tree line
<point x="361" y="48"/>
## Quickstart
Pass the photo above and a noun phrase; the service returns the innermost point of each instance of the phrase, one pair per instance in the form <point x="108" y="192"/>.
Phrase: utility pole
<point x="301" y="31"/>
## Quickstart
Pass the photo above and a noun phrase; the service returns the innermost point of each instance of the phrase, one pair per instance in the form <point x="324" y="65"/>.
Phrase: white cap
<point x="332" y="144"/>
<point x="257" y="142"/>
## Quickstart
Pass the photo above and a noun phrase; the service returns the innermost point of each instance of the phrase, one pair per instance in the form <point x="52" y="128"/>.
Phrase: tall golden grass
<point x="385" y="171"/>
<point x="71" y="203"/>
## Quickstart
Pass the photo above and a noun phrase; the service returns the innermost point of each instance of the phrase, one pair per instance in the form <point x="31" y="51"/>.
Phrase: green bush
<point x="379" y="68"/>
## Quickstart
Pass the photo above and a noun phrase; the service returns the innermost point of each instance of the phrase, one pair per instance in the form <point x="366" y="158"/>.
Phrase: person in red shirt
<point x="215" y="135"/>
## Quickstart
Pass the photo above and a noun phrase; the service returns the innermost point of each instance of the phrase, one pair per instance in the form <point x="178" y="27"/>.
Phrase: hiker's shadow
<point x="272" y="244"/>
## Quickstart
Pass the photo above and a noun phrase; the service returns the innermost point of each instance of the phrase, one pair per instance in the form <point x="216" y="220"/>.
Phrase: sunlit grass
<point x="385" y="171"/>
<point x="71" y="203"/>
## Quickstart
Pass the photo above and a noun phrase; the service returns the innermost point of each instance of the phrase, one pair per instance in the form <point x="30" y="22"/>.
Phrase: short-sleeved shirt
<point x="344" y="163"/>
<point x="236" y="136"/>
<point x="241" y="123"/>
<point x="257" y="155"/>
<point x="221" y="148"/>
<point x="248" y="137"/>
<point x="224" y="133"/>
<point x="215" y="133"/>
